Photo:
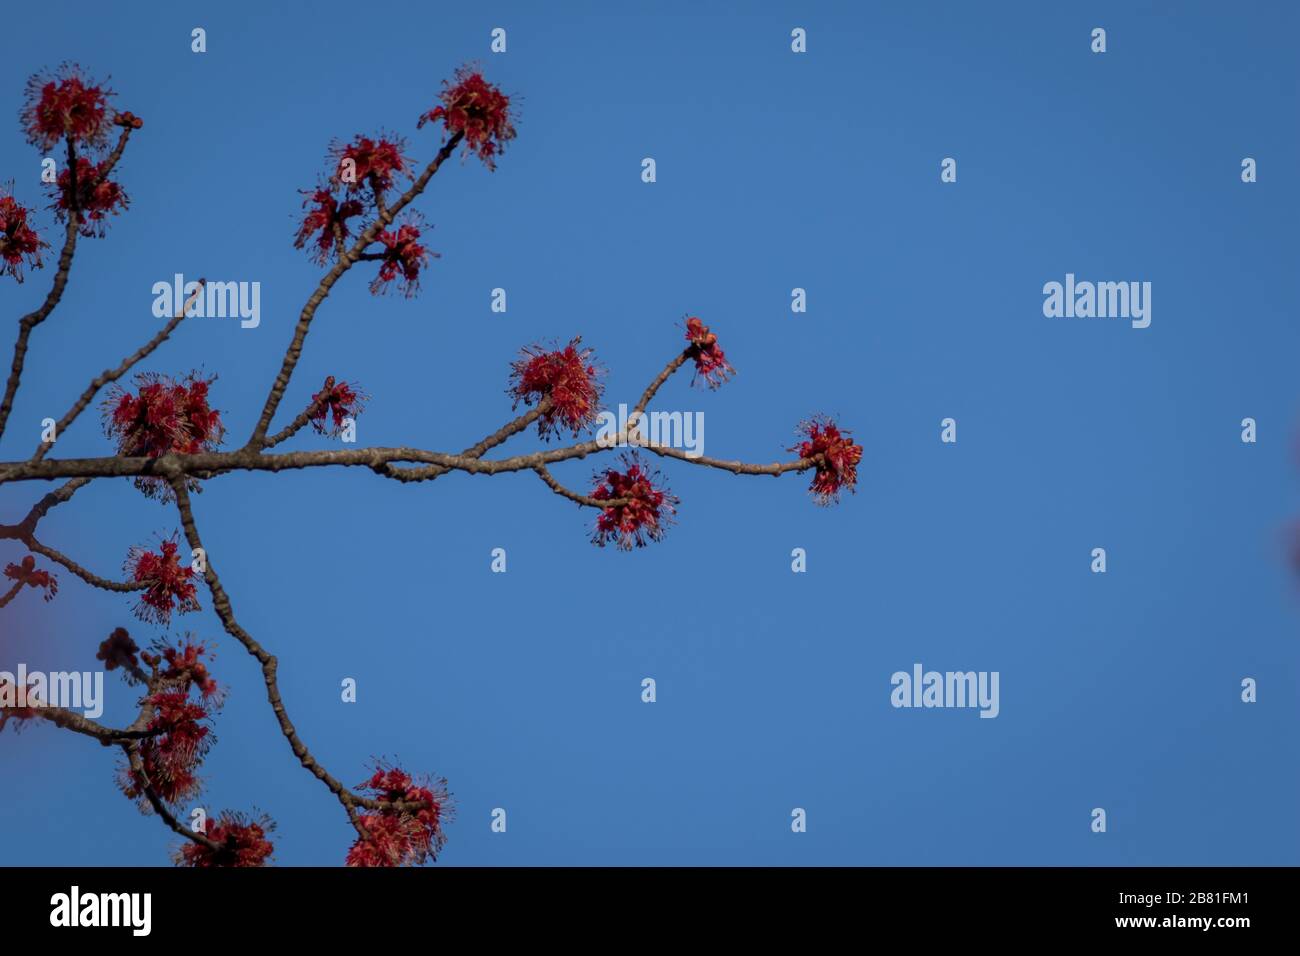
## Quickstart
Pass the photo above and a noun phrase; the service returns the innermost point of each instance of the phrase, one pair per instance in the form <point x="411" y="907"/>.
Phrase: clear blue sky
<point x="775" y="170"/>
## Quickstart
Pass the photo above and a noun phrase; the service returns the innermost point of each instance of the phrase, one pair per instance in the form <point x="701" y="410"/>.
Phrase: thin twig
<point x="586" y="500"/>
<point x="122" y="587"/>
<point x="344" y="263"/>
<point x="112" y="375"/>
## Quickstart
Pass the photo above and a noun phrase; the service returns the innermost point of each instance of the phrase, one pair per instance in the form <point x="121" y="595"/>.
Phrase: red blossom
<point x="567" y="377"/>
<point x="711" y="364"/>
<point x="19" y="244"/>
<point x="65" y="104"/>
<point x="171" y="756"/>
<point x="374" y="162"/>
<point x="401" y="259"/>
<point x="165" y="415"/>
<point x="185" y="666"/>
<point x="169" y="584"/>
<point x="9" y="706"/>
<point x="243" y="843"/>
<point x="119" y="650"/>
<point x="648" y="509"/>
<point x="477" y="109"/>
<point x="26" y="573"/>
<point x="334" y="403"/>
<point x="96" y="196"/>
<point x="837" y="458"/>
<point x="401" y="837"/>
<point x="330" y="219"/>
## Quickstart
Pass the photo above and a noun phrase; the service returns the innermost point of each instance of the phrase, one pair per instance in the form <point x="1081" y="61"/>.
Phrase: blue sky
<point x="775" y="171"/>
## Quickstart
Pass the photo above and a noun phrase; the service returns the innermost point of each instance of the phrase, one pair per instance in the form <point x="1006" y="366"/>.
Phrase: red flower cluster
<point x="400" y="838"/>
<point x="477" y="109"/>
<point x="65" y="104"/>
<point x="335" y="402"/>
<point x="26" y="573"/>
<point x="96" y="196"/>
<point x="567" y="376"/>
<point x="402" y="258"/>
<point x="328" y="215"/>
<point x="372" y="163"/>
<point x="119" y="650"/>
<point x="243" y="843"/>
<point x="837" y="459"/>
<point x="9" y="709"/>
<point x="168" y="584"/>
<point x="647" y="510"/>
<point x="166" y="415"/>
<point x="19" y="243"/>
<point x="171" y="756"/>
<point x="711" y="364"/>
<point x="185" y="667"/>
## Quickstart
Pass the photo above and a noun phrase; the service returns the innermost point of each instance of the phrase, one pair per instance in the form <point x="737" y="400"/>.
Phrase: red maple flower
<point x="711" y="364"/>
<point x="171" y="755"/>
<point x="243" y="843"/>
<point x="367" y="162"/>
<point x="401" y="837"/>
<point x="330" y="219"/>
<point x="26" y="573"/>
<point x="186" y="668"/>
<point x="96" y="196"/>
<point x="168" y="584"/>
<point x="837" y="458"/>
<point x="65" y="104"/>
<point x="567" y="377"/>
<point x="119" y="650"/>
<point x="647" y="510"/>
<point x="12" y="709"/>
<point x="19" y="243"/>
<point x="164" y="416"/>
<point x="401" y="259"/>
<point x="477" y="109"/>
<point x="333" y="404"/>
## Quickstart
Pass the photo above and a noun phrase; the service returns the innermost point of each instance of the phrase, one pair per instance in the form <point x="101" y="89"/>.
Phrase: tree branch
<point x="89" y="577"/>
<point x="345" y="262"/>
<point x="221" y="604"/>
<point x="28" y="525"/>
<point x="586" y="500"/>
<point x="33" y="319"/>
<point x="160" y="808"/>
<point x="112" y="375"/>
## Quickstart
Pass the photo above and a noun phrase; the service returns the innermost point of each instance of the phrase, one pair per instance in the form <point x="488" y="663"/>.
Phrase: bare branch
<point x="473" y="451"/>
<point x="112" y="375"/>
<point x="586" y="500"/>
<point x="56" y="497"/>
<point x="221" y="604"/>
<point x="87" y="576"/>
<point x="71" y="720"/>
